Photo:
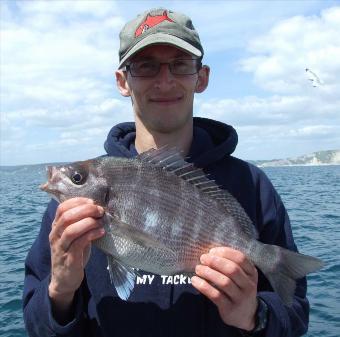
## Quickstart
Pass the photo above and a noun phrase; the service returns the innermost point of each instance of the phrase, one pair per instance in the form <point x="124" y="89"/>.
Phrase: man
<point x="67" y="286"/>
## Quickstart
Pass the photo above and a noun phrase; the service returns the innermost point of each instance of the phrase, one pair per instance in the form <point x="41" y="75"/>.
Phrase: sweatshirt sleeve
<point x="275" y="228"/>
<point x="38" y="317"/>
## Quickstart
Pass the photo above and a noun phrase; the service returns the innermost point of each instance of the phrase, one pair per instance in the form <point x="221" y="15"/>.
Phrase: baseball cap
<point x="158" y="26"/>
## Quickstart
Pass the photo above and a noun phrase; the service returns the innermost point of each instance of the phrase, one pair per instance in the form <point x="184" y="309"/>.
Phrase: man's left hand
<point x="229" y="280"/>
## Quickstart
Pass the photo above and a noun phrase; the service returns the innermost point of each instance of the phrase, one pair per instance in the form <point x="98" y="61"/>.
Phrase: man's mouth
<point x="166" y="100"/>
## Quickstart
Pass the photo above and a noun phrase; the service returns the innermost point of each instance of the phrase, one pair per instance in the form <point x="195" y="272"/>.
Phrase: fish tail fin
<point x="284" y="267"/>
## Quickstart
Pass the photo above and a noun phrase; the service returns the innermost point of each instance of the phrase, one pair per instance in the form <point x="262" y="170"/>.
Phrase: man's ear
<point x="203" y="79"/>
<point x="122" y="84"/>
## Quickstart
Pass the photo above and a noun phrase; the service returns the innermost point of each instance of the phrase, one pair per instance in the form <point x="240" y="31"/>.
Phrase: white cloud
<point x="314" y="131"/>
<point x="68" y="9"/>
<point x="295" y="112"/>
<point x="277" y="126"/>
<point x="57" y="64"/>
<point x="281" y="56"/>
<point x="81" y="120"/>
<point x="58" y="52"/>
<point x="271" y="110"/>
<point x="49" y="135"/>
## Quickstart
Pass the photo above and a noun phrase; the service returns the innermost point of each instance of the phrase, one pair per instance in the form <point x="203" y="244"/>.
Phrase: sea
<point x="311" y="195"/>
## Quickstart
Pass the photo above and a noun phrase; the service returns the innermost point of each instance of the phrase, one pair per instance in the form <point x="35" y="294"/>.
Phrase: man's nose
<point x="165" y="78"/>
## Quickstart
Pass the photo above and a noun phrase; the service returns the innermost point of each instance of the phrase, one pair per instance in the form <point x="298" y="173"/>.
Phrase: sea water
<point x="311" y="195"/>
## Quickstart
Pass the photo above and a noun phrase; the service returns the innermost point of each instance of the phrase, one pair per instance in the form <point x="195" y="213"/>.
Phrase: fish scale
<point x="162" y="214"/>
<point x="169" y="205"/>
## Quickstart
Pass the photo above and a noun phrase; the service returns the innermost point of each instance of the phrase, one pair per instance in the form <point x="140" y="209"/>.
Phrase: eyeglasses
<point x="150" y="68"/>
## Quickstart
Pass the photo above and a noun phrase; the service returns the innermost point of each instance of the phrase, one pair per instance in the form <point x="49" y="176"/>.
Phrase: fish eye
<point x="77" y="178"/>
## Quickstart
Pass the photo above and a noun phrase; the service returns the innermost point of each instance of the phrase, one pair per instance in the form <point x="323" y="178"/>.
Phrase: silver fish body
<point x="162" y="214"/>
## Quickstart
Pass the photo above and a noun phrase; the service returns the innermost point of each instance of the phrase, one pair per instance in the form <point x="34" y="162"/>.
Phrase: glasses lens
<point x="184" y="67"/>
<point x="144" y="68"/>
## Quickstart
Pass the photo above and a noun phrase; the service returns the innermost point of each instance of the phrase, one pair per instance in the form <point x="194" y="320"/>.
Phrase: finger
<point x="228" y="268"/>
<point x="215" y="295"/>
<point x="222" y="282"/>
<point x="81" y="246"/>
<point x="76" y="230"/>
<point x="71" y="203"/>
<point x="235" y="256"/>
<point x="86" y="239"/>
<point x="77" y="213"/>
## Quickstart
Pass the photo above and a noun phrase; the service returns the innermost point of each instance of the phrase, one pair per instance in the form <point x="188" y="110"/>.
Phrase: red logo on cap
<point x="152" y="21"/>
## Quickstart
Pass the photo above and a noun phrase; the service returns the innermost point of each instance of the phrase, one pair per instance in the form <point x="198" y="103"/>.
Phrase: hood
<point x="212" y="140"/>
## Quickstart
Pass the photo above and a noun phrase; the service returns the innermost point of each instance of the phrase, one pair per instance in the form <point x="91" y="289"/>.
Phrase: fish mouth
<point x="53" y="185"/>
<point x="51" y="180"/>
<point x="45" y="187"/>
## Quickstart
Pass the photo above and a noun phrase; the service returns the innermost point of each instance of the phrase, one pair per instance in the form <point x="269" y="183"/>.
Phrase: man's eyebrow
<point x="153" y="58"/>
<point x="143" y="58"/>
<point x="182" y="54"/>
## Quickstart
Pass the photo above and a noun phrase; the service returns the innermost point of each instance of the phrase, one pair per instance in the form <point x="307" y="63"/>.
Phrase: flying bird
<point x="315" y="80"/>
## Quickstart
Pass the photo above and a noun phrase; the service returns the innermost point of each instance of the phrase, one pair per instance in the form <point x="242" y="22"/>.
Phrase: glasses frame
<point x="199" y="66"/>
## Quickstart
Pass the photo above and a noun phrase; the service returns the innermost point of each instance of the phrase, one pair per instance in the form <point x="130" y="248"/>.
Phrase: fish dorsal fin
<point x="165" y="157"/>
<point x="171" y="160"/>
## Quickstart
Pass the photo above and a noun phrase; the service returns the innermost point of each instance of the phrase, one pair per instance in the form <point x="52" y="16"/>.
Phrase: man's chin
<point x="169" y="126"/>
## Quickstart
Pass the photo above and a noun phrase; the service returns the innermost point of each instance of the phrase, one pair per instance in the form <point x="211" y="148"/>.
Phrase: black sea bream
<point x="162" y="214"/>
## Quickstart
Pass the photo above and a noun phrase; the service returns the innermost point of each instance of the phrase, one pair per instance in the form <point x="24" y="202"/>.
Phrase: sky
<point x="59" y="99"/>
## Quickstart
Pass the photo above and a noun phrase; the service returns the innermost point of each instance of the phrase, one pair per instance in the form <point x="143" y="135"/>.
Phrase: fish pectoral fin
<point x="139" y="237"/>
<point x="147" y="242"/>
<point x="138" y="272"/>
<point x="122" y="277"/>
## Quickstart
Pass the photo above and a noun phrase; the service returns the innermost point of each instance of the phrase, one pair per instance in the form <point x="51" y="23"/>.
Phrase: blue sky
<point x="59" y="98"/>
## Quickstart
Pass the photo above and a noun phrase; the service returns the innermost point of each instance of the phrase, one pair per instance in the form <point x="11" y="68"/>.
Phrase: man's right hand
<point x="76" y="225"/>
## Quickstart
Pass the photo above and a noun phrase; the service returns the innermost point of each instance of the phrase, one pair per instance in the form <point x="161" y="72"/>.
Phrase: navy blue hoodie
<point x="159" y="305"/>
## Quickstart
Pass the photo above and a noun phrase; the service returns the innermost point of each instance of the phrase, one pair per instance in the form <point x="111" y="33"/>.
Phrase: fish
<point x="151" y="21"/>
<point x="162" y="213"/>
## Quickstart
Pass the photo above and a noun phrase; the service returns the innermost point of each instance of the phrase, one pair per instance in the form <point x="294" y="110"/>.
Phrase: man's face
<point x="163" y="103"/>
